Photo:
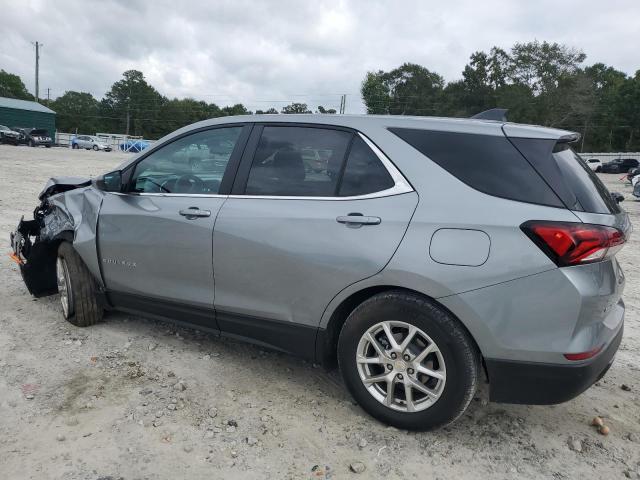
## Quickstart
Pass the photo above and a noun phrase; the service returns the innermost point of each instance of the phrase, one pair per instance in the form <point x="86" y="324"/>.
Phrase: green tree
<point x="407" y="90"/>
<point x="237" y="109"/>
<point x="321" y="109"/>
<point x="77" y="112"/>
<point x="133" y="106"/>
<point x="12" y="86"/>
<point x="296" y="108"/>
<point x="270" y="111"/>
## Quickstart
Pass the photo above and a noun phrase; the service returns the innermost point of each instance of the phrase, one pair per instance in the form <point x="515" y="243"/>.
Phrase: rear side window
<point x="298" y="161"/>
<point x="490" y="164"/>
<point x="364" y="172"/>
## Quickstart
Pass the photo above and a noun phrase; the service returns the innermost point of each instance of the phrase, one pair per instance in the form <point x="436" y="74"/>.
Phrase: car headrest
<point x="289" y="164"/>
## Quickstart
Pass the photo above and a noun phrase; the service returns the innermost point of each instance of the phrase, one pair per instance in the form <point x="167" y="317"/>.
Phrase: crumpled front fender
<point x="70" y="215"/>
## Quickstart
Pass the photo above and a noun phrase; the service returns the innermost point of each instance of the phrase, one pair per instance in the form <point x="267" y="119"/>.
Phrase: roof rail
<point x="499" y="114"/>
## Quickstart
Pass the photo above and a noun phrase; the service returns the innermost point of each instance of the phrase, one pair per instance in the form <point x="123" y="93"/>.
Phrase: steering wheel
<point x="189" y="183"/>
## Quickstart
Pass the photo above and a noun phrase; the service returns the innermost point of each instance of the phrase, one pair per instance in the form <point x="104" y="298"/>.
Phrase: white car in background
<point x="594" y="164"/>
<point x="90" y="142"/>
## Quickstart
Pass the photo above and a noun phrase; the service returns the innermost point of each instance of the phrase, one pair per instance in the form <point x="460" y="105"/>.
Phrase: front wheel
<point x="407" y="361"/>
<point x="95" y="148"/>
<point x="77" y="288"/>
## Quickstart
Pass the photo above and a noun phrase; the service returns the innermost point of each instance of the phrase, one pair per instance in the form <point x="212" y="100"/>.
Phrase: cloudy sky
<point x="266" y="54"/>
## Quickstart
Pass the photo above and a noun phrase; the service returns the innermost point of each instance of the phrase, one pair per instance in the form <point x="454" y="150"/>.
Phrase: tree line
<point x="539" y="82"/>
<point x="132" y="106"/>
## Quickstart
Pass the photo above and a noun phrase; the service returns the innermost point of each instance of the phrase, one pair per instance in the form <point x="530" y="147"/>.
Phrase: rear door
<point x="300" y="226"/>
<point x="155" y="239"/>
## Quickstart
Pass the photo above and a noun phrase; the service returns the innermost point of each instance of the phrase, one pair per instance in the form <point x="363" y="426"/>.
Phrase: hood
<point x="63" y="184"/>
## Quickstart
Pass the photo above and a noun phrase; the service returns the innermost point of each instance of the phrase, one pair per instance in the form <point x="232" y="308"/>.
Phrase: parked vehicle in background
<point x="90" y="142"/>
<point x="413" y="268"/>
<point x="34" y="137"/>
<point x="594" y="164"/>
<point x="633" y="172"/>
<point x="619" y="165"/>
<point x="134" y="146"/>
<point x="9" y="136"/>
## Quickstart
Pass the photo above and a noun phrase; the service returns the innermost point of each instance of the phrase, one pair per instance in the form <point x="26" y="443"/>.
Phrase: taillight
<point x="574" y="243"/>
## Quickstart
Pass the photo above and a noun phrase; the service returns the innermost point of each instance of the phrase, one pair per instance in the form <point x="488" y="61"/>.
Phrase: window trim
<point x="227" y="178"/>
<point x="401" y="184"/>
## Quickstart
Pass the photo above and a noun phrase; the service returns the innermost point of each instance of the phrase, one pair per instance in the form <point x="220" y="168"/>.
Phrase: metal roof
<point x="23" y="105"/>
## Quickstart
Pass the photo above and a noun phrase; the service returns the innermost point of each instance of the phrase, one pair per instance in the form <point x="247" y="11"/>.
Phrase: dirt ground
<point x="134" y="399"/>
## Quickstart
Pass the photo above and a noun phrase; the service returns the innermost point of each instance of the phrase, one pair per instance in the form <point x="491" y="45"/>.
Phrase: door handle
<point x="194" y="212"/>
<point x="358" y="219"/>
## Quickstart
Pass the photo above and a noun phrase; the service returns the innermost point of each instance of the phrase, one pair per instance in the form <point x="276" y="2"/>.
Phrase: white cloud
<point x="263" y="53"/>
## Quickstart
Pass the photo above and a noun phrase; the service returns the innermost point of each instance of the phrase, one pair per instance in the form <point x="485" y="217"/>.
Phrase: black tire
<point x="459" y="351"/>
<point x="95" y="147"/>
<point x="84" y="307"/>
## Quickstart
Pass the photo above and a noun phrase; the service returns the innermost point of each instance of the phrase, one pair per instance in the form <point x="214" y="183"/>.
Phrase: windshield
<point x="38" y="132"/>
<point x="2" y="127"/>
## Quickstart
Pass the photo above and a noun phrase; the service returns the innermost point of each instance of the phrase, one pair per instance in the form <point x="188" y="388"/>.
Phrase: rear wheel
<point x="407" y="361"/>
<point x="77" y="288"/>
<point x="95" y="147"/>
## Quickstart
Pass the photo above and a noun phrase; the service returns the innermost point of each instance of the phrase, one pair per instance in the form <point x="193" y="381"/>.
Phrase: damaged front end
<point x="35" y="242"/>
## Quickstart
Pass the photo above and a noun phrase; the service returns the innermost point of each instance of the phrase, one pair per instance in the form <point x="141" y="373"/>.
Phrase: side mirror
<point x="109" y="182"/>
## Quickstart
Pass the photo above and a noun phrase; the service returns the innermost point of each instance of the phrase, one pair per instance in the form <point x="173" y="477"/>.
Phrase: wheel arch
<point x="327" y="338"/>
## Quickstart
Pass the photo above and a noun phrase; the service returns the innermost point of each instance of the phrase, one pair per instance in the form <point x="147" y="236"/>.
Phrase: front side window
<point x="298" y="161"/>
<point x="192" y="164"/>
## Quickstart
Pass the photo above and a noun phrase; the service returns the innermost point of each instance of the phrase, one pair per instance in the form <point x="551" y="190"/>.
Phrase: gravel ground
<point x="132" y="398"/>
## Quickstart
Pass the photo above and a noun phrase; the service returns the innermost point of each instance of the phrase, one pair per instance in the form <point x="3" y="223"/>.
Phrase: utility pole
<point x="343" y="102"/>
<point x="128" y="109"/>
<point x="38" y="45"/>
<point x="48" y="94"/>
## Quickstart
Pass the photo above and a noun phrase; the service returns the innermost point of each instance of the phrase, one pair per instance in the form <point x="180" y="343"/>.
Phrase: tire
<point x="454" y="363"/>
<point x="95" y="148"/>
<point x="78" y="285"/>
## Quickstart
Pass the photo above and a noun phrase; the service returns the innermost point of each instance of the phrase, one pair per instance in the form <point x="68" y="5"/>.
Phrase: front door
<point x="306" y="227"/>
<point x="155" y="240"/>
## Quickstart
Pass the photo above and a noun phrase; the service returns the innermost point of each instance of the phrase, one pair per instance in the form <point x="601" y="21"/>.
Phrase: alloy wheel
<point x="64" y="287"/>
<point x="401" y="366"/>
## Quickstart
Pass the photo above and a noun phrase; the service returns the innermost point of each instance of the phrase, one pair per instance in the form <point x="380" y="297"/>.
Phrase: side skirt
<point x="287" y="337"/>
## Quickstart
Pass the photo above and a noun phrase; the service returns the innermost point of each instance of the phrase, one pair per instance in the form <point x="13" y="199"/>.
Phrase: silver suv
<point x="420" y="254"/>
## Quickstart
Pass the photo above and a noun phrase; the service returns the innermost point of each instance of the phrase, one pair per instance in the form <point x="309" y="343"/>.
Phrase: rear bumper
<point x="546" y="384"/>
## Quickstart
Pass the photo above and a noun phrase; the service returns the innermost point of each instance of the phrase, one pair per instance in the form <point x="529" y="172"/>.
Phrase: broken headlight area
<point x="35" y="245"/>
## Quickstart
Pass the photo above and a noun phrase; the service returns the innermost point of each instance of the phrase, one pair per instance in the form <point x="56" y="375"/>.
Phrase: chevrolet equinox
<point x="419" y="254"/>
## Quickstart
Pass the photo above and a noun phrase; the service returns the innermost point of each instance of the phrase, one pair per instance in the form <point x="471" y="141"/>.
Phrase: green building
<point x="26" y="114"/>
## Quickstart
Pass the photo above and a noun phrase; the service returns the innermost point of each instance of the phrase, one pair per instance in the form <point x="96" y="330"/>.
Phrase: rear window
<point x="490" y="164"/>
<point x="590" y="193"/>
<point x="576" y="184"/>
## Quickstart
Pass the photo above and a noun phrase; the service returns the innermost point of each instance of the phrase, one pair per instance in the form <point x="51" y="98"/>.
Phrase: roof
<point x="23" y="105"/>
<point x="362" y="122"/>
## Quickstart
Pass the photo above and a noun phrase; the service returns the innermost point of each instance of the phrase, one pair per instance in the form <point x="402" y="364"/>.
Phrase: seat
<point x="288" y="166"/>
